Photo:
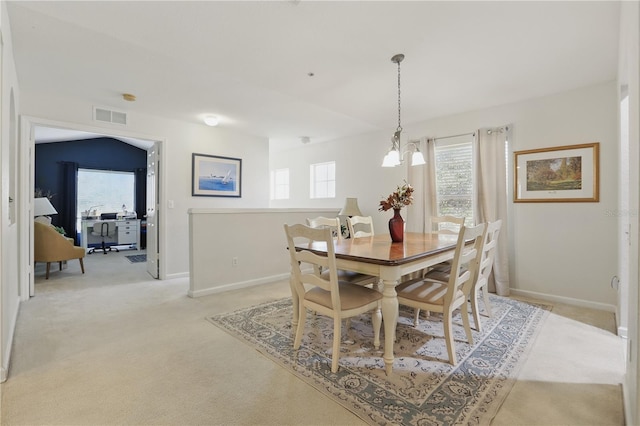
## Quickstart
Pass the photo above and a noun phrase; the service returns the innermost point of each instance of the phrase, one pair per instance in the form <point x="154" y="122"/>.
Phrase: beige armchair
<point x="51" y="246"/>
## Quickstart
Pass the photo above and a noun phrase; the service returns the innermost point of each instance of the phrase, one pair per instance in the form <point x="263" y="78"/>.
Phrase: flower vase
<point x="396" y="227"/>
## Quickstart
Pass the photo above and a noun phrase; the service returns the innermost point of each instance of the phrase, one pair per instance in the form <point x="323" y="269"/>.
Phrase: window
<point x="280" y="184"/>
<point x="323" y="180"/>
<point x="105" y="190"/>
<point x="454" y="178"/>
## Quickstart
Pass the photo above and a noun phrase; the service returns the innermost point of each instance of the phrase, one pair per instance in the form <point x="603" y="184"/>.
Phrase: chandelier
<point x="395" y="155"/>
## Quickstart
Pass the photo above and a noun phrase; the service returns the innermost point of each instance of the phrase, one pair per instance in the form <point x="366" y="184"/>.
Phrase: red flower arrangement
<point x="403" y="196"/>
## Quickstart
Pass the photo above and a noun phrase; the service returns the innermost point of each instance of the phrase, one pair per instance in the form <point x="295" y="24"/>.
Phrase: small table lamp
<point x="43" y="207"/>
<point x="350" y="209"/>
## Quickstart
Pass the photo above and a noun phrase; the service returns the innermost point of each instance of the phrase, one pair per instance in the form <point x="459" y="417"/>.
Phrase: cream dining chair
<point x="446" y="297"/>
<point x="489" y="247"/>
<point x="327" y="296"/>
<point x="348" y="276"/>
<point x="366" y="230"/>
<point x="446" y="224"/>
<point x="484" y="271"/>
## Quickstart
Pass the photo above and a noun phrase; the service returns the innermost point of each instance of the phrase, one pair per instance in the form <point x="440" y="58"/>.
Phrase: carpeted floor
<point x="115" y="347"/>
<point x="424" y="388"/>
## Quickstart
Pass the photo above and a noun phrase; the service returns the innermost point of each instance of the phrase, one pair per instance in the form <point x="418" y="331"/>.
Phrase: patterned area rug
<point x="137" y="258"/>
<point x="423" y="389"/>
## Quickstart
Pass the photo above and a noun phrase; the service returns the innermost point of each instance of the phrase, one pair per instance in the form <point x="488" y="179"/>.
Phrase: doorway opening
<point x="42" y="133"/>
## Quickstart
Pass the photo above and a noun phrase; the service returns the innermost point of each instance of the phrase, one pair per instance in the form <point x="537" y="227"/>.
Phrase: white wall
<point x="179" y="141"/>
<point x="220" y="235"/>
<point x="561" y="251"/>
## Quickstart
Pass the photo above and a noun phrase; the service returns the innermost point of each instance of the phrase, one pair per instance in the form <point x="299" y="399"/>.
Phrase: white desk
<point x="127" y="233"/>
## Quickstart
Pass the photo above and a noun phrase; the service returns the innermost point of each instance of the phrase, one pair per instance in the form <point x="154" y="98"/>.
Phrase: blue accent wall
<point x="97" y="153"/>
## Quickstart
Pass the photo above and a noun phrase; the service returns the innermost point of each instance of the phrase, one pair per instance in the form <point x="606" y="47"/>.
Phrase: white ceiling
<point x="248" y="62"/>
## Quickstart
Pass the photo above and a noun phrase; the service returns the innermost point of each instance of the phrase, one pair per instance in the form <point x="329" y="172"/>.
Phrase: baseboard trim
<point x="623" y="332"/>
<point x="178" y="275"/>
<point x="237" y="285"/>
<point x="6" y="356"/>
<point x="566" y="300"/>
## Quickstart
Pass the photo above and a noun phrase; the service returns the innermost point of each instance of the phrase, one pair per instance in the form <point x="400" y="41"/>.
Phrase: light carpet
<point x="424" y="388"/>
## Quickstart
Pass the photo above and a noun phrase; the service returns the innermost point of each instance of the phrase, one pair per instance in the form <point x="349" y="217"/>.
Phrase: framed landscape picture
<point x="559" y="174"/>
<point x="214" y="176"/>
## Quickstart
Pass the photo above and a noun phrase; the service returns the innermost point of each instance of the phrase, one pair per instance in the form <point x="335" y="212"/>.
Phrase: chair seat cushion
<point x="424" y="291"/>
<point x="349" y="276"/>
<point x="351" y="296"/>
<point x="441" y="272"/>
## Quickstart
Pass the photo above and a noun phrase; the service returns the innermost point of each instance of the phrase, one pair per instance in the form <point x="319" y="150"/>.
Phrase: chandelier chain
<point x="399" y="107"/>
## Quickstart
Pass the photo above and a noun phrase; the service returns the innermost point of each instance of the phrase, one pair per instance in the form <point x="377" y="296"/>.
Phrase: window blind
<point x="454" y="178"/>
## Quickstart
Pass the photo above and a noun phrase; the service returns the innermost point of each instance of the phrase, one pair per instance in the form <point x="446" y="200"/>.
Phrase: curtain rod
<point x="489" y="131"/>
<point x="454" y="136"/>
<point x="498" y="129"/>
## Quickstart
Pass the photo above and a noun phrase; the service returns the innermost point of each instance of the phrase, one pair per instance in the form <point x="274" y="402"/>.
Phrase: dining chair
<point x="366" y="221"/>
<point x="485" y="267"/>
<point x="343" y="275"/>
<point x="327" y="295"/>
<point x="489" y="248"/>
<point x="446" y="224"/>
<point x="446" y="297"/>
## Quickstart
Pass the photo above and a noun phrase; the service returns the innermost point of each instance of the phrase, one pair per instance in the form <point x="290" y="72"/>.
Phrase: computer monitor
<point x="107" y="216"/>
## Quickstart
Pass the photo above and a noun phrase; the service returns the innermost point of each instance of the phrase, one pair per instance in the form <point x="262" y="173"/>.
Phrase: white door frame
<point x="27" y="129"/>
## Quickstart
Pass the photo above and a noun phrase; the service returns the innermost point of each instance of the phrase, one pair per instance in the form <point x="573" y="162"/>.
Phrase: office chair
<point x="105" y="230"/>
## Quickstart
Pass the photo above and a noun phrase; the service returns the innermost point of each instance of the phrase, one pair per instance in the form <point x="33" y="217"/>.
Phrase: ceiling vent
<point x="109" y="116"/>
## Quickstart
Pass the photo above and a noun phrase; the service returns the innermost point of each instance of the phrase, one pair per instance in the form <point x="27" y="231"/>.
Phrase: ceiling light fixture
<point x="394" y="156"/>
<point x="128" y="97"/>
<point x="211" y="120"/>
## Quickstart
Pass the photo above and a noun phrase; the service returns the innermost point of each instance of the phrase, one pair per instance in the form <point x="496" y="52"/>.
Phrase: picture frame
<point x="216" y="176"/>
<point x="560" y="174"/>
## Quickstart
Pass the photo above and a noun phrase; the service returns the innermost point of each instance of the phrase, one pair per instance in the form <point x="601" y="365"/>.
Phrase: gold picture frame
<point x="557" y="175"/>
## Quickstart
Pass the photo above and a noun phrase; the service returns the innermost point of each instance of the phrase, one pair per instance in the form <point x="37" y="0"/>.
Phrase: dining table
<point x="378" y="255"/>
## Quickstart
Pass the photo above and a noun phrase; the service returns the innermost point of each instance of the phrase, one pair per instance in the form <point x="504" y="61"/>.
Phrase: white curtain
<point x="423" y="180"/>
<point x="491" y="202"/>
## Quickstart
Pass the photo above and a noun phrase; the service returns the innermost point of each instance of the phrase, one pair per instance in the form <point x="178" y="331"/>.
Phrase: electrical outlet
<point x="234" y="261"/>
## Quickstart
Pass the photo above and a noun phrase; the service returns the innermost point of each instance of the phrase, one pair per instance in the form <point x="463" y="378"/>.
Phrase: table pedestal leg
<point x="390" y="318"/>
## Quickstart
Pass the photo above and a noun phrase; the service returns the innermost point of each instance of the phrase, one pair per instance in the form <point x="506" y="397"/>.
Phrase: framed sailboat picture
<point x="214" y="176"/>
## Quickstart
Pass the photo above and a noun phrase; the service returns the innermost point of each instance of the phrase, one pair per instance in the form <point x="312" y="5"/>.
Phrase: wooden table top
<point x="380" y="250"/>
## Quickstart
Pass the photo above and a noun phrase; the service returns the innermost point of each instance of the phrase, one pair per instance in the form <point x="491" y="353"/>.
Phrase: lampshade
<point x="417" y="159"/>
<point x="392" y="159"/>
<point x="350" y="208"/>
<point x="43" y="207"/>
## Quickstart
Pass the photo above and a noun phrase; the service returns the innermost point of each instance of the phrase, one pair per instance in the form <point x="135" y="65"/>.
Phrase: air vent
<point x="109" y="116"/>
